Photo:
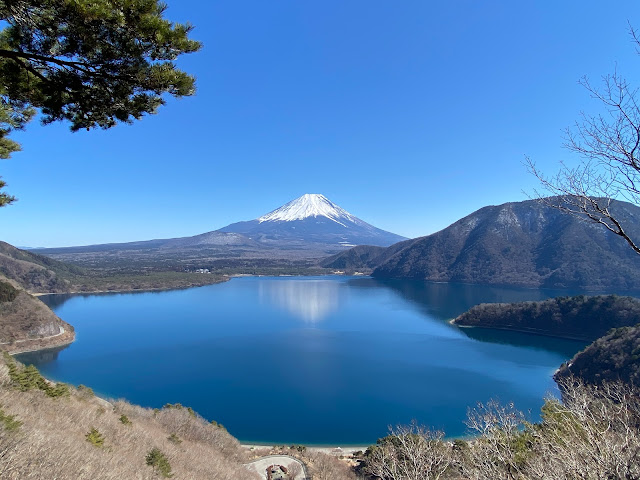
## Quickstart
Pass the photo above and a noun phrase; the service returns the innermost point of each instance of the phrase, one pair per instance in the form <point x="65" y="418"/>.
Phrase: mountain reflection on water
<point x="446" y="301"/>
<point x="41" y="356"/>
<point x="310" y="300"/>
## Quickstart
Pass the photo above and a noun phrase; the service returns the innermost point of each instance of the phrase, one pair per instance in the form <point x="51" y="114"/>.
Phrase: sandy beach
<point x="330" y="450"/>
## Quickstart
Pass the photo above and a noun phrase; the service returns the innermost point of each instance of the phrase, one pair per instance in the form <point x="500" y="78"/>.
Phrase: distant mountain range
<point x="310" y="226"/>
<point x="524" y="244"/>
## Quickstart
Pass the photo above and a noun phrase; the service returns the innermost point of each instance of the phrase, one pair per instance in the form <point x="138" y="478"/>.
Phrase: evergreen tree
<point x="158" y="460"/>
<point x="94" y="63"/>
<point x="95" y="438"/>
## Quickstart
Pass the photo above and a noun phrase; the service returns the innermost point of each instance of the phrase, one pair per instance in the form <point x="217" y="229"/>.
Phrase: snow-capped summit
<point x="309" y="205"/>
<point x="312" y="221"/>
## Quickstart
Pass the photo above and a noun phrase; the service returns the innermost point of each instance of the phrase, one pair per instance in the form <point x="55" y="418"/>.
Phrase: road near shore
<point x="260" y="465"/>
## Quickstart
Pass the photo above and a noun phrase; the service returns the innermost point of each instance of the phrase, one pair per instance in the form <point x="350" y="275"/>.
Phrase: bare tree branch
<point x="608" y="146"/>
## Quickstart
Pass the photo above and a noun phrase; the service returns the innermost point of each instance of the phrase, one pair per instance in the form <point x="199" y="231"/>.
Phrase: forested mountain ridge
<point x="579" y="317"/>
<point x="615" y="356"/>
<point x="522" y="244"/>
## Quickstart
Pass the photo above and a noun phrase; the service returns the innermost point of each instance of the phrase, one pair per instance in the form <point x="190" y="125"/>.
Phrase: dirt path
<point x="61" y="332"/>
<point x="64" y="337"/>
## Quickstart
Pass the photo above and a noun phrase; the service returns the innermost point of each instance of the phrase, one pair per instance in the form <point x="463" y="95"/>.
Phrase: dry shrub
<point x="410" y="452"/>
<point x="328" y="467"/>
<point x="593" y="433"/>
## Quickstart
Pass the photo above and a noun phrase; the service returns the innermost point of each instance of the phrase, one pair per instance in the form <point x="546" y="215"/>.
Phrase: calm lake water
<point x="320" y="360"/>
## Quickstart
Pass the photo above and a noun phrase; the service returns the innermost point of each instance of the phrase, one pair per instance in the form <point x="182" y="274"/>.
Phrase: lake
<point x="313" y="360"/>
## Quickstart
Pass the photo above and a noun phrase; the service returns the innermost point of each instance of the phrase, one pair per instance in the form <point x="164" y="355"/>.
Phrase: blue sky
<point x="408" y="114"/>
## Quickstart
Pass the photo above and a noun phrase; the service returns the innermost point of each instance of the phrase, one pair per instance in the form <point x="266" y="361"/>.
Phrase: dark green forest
<point x="580" y="317"/>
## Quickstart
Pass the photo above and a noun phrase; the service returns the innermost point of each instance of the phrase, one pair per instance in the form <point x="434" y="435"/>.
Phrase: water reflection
<point x="40" y="357"/>
<point x="445" y="301"/>
<point x="309" y="300"/>
<point x="448" y="300"/>
<point x="56" y="300"/>
<point x="562" y="346"/>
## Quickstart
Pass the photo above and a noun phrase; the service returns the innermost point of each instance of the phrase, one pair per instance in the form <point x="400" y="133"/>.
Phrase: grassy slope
<point x="51" y="441"/>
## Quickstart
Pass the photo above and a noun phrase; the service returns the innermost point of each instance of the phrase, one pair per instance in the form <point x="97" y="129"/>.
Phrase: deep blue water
<point x="321" y="360"/>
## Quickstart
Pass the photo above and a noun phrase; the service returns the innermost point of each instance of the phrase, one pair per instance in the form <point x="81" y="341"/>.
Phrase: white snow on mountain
<point x="310" y="205"/>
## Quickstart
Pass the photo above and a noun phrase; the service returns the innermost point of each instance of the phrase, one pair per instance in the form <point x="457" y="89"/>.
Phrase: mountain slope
<point x="26" y="323"/>
<point x="362" y="257"/>
<point x="34" y="272"/>
<point x="523" y="244"/>
<point x="616" y="356"/>
<point x="210" y="239"/>
<point x="312" y="219"/>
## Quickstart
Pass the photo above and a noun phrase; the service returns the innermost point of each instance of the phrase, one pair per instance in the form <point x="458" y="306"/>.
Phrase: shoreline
<point x="40" y="349"/>
<point x="328" y="449"/>
<point x="225" y="278"/>
<point x="67" y="337"/>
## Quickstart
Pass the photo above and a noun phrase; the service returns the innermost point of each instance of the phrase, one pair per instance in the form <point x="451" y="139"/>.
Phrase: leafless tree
<point x="500" y="449"/>
<point x="328" y="467"/>
<point x="593" y="433"/>
<point x="294" y="470"/>
<point x="410" y="453"/>
<point x="608" y="145"/>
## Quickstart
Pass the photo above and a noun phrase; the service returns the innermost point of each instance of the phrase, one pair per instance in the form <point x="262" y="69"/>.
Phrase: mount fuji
<point x="308" y="227"/>
<point x="312" y="219"/>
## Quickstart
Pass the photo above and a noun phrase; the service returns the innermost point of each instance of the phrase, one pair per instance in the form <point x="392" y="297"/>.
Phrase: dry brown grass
<point x="51" y="443"/>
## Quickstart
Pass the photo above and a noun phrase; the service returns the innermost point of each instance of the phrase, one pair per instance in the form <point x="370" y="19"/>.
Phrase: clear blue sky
<point x="408" y="114"/>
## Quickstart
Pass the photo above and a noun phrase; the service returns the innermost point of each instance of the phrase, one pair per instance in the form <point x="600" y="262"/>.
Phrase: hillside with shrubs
<point x="56" y="431"/>
<point x="593" y="433"/>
